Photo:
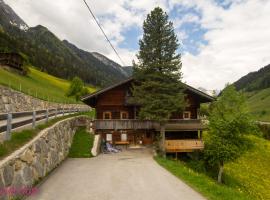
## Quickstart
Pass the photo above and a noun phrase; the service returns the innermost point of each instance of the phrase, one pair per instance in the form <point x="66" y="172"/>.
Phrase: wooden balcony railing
<point x="117" y="124"/>
<point x="133" y="124"/>
<point x="185" y="145"/>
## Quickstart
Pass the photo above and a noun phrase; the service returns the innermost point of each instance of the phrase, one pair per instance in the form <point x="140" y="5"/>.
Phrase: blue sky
<point x="194" y="33"/>
<point x="221" y="40"/>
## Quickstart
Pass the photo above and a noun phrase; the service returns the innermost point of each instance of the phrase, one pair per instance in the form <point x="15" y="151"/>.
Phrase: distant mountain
<point x="8" y="16"/>
<point x="209" y="92"/>
<point x="255" y="80"/>
<point x="256" y="86"/>
<point x="128" y="70"/>
<point x="109" y="62"/>
<point x="59" y="58"/>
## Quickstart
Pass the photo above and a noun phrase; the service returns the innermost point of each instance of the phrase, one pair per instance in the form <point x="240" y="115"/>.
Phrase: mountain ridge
<point x="47" y="52"/>
<point x="256" y="80"/>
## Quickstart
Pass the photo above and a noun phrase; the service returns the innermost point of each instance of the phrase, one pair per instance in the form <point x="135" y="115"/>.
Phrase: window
<point x="123" y="137"/>
<point x="186" y="115"/>
<point x="107" y="115"/>
<point x="109" y="137"/>
<point x="124" y="115"/>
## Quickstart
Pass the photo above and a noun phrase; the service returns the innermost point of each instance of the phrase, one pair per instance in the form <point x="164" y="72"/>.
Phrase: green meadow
<point x="39" y="84"/>
<point x="246" y="178"/>
<point x="259" y="103"/>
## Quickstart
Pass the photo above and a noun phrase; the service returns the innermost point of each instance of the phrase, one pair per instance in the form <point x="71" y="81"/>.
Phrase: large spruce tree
<point x="158" y="88"/>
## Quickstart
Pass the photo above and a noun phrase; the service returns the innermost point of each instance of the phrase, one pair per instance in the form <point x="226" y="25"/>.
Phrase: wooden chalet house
<point x="117" y="120"/>
<point x="13" y="60"/>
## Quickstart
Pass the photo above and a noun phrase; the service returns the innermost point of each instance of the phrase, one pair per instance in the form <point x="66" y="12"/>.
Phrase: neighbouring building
<point x="12" y="60"/>
<point x="117" y="120"/>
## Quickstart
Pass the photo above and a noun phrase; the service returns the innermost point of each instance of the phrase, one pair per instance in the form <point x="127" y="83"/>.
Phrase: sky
<point x="220" y="40"/>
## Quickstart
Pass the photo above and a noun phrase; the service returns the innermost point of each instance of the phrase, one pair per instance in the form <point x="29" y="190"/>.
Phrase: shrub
<point x="265" y="129"/>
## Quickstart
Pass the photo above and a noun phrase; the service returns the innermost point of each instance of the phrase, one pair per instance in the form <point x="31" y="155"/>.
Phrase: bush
<point x="265" y="129"/>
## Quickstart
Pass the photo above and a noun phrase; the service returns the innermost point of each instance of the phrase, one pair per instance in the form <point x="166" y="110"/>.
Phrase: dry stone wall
<point x="41" y="155"/>
<point x="14" y="101"/>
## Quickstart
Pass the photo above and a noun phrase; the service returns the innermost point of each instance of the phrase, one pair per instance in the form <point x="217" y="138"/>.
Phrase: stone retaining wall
<point x="36" y="159"/>
<point x="14" y="101"/>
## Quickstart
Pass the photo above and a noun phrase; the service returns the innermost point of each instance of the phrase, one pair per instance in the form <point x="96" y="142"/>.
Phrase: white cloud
<point x="238" y="38"/>
<point x="238" y="42"/>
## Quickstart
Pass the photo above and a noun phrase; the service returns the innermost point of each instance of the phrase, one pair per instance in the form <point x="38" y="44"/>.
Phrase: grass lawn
<point x="251" y="172"/>
<point x="82" y="144"/>
<point x="259" y="103"/>
<point x="200" y="182"/>
<point x="18" y="139"/>
<point x="246" y="178"/>
<point x="39" y="84"/>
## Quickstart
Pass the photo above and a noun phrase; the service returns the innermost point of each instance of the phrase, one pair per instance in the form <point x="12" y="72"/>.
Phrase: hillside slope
<point x="46" y="51"/>
<point x="246" y="178"/>
<point x="250" y="172"/>
<point x="259" y="104"/>
<point x="39" y="84"/>
<point x="256" y="86"/>
<point x="255" y="80"/>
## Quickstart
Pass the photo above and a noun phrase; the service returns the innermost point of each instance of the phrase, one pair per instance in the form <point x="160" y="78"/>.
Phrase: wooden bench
<point x="126" y="143"/>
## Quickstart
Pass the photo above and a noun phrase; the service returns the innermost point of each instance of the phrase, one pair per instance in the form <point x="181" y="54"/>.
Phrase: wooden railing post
<point x="34" y="119"/>
<point x="9" y="127"/>
<point x="47" y="116"/>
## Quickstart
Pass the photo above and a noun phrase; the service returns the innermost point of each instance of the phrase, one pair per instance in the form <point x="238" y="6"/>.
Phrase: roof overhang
<point x="92" y="97"/>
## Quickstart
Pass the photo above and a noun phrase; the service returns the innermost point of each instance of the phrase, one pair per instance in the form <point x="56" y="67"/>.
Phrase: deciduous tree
<point x="229" y="123"/>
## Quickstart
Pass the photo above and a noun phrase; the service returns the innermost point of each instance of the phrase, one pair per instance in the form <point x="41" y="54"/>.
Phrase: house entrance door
<point x="137" y="138"/>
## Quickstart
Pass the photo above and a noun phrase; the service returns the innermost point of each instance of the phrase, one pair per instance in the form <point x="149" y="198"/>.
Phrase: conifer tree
<point x="158" y="88"/>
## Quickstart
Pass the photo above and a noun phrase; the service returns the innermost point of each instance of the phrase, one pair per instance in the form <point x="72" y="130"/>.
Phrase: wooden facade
<point x="12" y="60"/>
<point x="117" y="119"/>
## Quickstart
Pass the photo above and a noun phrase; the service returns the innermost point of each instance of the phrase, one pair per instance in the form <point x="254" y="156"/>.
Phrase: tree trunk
<point x="162" y="139"/>
<point x="221" y="169"/>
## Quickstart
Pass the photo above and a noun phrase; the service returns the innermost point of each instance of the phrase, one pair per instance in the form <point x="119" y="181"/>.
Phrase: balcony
<point x="187" y="145"/>
<point x="133" y="124"/>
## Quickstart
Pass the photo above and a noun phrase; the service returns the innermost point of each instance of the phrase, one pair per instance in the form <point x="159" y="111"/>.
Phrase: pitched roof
<point x="188" y="87"/>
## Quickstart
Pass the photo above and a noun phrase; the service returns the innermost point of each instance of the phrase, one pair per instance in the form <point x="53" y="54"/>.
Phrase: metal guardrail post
<point x="55" y="113"/>
<point x="9" y="127"/>
<point x="47" y="116"/>
<point x="63" y="111"/>
<point x="34" y="119"/>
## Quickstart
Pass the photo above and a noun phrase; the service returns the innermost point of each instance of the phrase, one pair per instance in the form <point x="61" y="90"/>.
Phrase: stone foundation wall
<point x="41" y="155"/>
<point x="14" y="101"/>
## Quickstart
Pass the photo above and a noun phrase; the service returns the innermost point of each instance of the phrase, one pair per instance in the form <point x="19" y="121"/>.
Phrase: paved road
<point x="129" y="175"/>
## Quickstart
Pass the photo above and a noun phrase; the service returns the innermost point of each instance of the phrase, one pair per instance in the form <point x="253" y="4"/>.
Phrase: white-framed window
<point x="124" y="115"/>
<point x="123" y="137"/>
<point x="109" y="137"/>
<point x="186" y="115"/>
<point x="107" y="115"/>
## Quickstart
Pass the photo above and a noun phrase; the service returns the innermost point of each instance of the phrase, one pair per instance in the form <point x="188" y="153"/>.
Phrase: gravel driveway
<point x="129" y="175"/>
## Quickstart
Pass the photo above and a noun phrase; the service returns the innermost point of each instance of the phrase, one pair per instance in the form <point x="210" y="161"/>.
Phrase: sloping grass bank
<point x="82" y="144"/>
<point x="251" y="172"/>
<point x="246" y="178"/>
<point x="200" y="182"/>
<point x="39" y="84"/>
<point x="259" y="104"/>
